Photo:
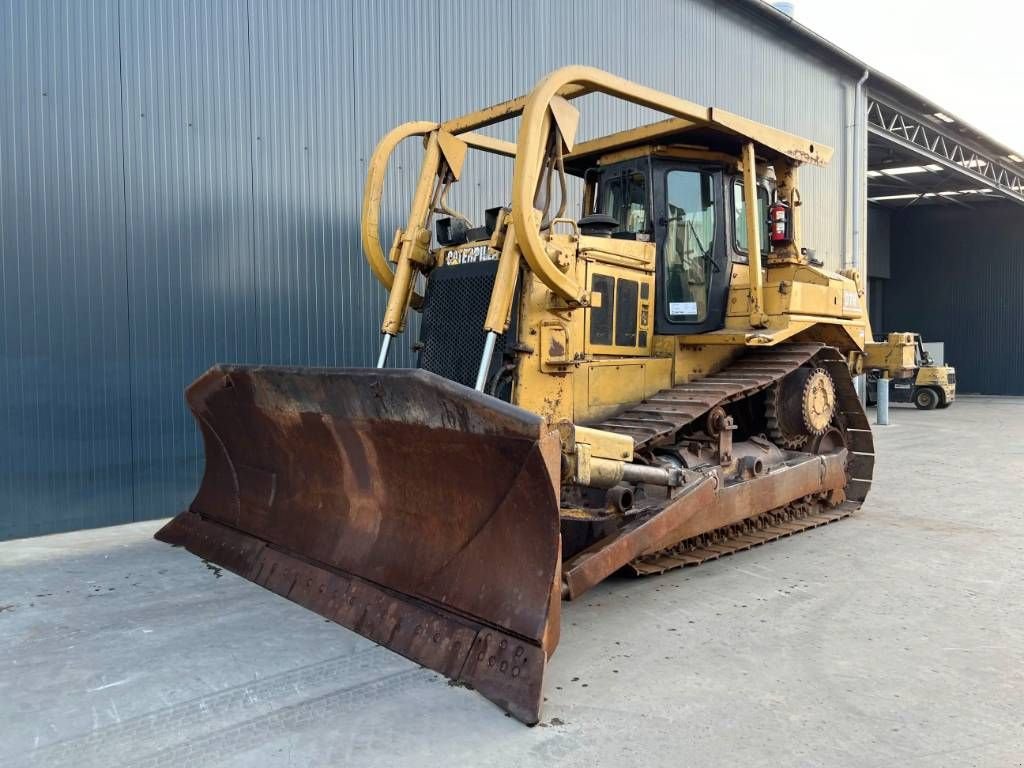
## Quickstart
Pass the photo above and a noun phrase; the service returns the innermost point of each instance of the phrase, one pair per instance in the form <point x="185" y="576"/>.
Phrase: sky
<point x="965" y="55"/>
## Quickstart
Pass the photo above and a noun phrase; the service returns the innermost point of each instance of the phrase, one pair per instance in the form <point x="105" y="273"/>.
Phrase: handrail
<point x="373" y="192"/>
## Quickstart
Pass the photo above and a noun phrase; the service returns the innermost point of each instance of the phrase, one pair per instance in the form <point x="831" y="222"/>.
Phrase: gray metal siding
<point x="879" y="241"/>
<point x="180" y="184"/>
<point x="487" y="179"/>
<point x="957" y="277"/>
<point x="65" y="443"/>
<point x="306" y="206"/>
<point x="189" y="225"/>
<point x="396" y="80"/>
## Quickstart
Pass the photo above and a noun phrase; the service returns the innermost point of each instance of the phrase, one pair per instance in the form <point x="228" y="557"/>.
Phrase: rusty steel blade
<point x="413" y="510"/>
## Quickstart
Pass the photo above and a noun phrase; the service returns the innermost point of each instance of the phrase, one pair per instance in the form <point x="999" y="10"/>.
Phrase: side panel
<point x="622" y="325"/>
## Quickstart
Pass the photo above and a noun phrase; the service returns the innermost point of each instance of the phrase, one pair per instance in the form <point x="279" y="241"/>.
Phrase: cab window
<point x="689" y="243"/>
<point x="625" y="199"/>
<point x="739" y="207"/>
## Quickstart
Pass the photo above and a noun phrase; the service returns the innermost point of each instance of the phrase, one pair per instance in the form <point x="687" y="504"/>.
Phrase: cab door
<point x="693" y="262"/>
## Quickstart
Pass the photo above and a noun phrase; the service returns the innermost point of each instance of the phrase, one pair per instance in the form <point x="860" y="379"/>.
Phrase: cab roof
<point x="691" y="124"/>
<point x="725" y="134"/>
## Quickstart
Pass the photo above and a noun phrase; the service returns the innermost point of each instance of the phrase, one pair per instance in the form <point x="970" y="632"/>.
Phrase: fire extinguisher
<point x="780" y="221"/>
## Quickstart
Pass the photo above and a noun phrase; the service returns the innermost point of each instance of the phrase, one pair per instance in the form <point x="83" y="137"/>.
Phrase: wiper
<point x="705" y="253"/>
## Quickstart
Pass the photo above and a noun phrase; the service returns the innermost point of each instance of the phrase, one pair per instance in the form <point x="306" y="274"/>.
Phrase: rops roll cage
<point x="549" y="122"/>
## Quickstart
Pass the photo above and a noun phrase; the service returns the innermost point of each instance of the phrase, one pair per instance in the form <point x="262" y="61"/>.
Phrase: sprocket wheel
<point x="800" y="407"/>
<point x="819" y="401"/>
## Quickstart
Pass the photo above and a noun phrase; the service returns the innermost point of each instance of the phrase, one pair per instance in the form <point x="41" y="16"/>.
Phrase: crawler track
<point x="757" y="531"/>
<point x="659" y="421"/>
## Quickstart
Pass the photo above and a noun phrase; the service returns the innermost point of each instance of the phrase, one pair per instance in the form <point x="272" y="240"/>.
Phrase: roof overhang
<point x="891" y="91"/>
<point x="913" y="160"/>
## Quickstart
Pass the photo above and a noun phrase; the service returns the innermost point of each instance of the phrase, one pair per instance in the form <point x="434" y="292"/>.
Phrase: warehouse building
<point x="180" y="184"/>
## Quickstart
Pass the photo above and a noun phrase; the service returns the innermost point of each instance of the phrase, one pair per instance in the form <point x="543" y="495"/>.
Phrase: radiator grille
<point x="452" y="329"/>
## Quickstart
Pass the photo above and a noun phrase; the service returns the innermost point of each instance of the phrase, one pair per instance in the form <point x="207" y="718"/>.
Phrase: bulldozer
<point x="901" y="362"/>
<point x="662" y="377"/>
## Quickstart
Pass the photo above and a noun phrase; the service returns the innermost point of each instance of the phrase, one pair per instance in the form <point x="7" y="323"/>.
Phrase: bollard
<point x="860" y="383"/>
<point x="882" y="400"/>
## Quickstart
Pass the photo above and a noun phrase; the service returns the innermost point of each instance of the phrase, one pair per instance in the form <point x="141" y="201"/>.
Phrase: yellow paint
<point x="693" y="361"/>
<point x="758" y="317"/>
<point x="605" y="445"/>
<point x="897" y="355"/>
<point x="643" y="318"/>
<point x="453" y="150"/>
<point x="500" y="307"/>
<point x="937" y="376"/>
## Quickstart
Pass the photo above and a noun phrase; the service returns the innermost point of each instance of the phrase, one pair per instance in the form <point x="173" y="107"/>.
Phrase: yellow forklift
<point x="912" y="374"/>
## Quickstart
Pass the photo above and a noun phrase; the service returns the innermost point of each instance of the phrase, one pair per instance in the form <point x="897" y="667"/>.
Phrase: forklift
<point x="913" y="375"/>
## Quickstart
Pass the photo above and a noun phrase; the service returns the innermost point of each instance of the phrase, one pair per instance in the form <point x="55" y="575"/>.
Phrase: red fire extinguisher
<point x="780" y="221"/>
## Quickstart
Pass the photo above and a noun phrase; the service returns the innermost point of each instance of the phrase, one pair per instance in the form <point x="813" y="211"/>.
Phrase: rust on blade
<point x="359" y="494"/>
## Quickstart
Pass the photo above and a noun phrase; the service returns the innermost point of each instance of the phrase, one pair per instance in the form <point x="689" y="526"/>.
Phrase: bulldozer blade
<point x="415" y="511"/>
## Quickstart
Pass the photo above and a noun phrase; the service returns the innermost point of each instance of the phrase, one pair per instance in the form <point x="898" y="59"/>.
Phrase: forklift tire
<point x="926" y="399"/>
<point x="945" y="404"/>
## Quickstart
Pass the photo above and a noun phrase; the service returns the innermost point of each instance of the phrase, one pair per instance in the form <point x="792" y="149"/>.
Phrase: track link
<point x="753" y="533"/>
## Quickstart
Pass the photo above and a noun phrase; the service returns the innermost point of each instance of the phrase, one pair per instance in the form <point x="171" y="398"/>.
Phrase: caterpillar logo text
<point x="470" y="255"/>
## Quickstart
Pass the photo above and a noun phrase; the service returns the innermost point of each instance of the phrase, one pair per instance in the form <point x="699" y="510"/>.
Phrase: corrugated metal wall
<point x="957" y="277"/>
<point x="879" y="241"/>
<point x="189" y="223"/>
<point x="66" y="458"/>
<point x="180" y="184"/>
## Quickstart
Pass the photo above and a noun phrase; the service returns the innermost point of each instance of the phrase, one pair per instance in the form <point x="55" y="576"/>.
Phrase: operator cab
<point x="694" y="212"/>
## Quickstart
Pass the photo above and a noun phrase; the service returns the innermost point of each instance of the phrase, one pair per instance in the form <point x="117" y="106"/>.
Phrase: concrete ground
<point x="895" y="638"/>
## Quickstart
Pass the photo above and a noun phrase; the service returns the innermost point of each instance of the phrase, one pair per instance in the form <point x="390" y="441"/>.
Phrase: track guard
<point x="359" y="495"/>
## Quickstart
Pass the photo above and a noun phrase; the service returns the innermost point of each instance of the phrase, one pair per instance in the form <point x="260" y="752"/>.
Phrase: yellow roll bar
<point x="374" y="190"/>
<point x="532" y="143"/>
<point x="543" y="110"/>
